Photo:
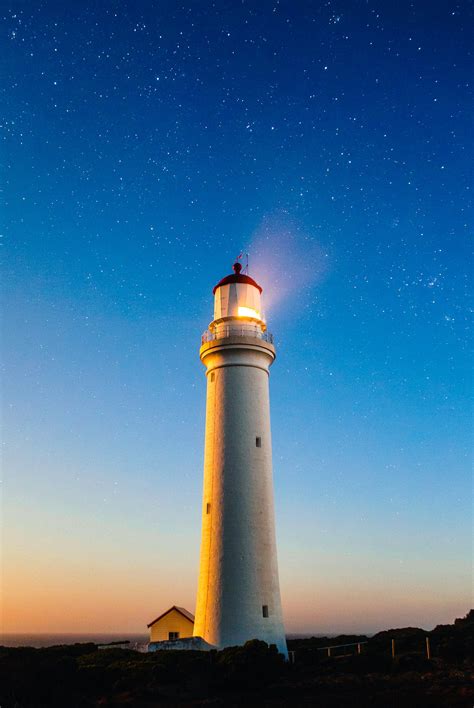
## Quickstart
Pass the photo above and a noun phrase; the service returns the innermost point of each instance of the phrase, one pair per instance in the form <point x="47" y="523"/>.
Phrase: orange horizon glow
<point x="98" y="595"/>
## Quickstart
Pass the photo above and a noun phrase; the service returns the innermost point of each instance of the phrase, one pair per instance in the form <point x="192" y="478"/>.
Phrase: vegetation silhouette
<point x="84" y="676"/>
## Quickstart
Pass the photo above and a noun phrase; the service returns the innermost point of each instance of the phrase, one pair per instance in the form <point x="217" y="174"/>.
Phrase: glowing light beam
<point x="248" y="312"/>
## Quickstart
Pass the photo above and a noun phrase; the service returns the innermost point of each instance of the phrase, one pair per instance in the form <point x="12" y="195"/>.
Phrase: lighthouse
<point x="238" y="595"/>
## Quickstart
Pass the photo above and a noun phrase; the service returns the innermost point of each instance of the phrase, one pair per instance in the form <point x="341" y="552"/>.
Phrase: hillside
<point x="82" y="676"/>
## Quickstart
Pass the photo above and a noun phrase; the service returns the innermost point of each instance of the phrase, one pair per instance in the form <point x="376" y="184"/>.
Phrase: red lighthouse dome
<point x="237" y="277"/>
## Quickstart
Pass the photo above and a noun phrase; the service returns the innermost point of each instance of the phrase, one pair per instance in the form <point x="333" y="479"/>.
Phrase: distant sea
<point x="50" y="640"/>
<point x="137" y="641"/>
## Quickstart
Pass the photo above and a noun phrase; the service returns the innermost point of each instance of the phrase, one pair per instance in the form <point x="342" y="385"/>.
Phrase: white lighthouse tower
<point x="238" y="592"/>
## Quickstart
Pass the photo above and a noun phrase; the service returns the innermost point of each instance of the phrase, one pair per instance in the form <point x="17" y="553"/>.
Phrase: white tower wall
<point x="238" y="569"/>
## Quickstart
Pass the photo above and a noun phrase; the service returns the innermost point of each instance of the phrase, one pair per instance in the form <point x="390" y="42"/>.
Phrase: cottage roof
<point x="181" y="610"/>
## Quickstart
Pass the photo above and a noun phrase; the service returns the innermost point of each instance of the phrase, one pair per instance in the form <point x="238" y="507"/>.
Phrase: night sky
<point x="146" y="145"/>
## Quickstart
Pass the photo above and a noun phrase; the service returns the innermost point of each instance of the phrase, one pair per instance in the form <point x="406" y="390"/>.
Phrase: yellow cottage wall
<point x="172" y="622"/>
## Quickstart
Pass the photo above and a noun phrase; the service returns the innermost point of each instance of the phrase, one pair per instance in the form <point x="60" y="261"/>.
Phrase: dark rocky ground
<point x="82" y="676"/>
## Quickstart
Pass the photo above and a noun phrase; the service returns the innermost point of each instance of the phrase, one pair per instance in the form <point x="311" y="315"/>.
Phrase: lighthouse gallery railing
<point x="233" y="331"/>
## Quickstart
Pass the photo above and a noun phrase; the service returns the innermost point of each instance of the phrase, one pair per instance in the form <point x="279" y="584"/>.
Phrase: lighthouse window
<point x="173" y="635"/>
<point x="265" y="610"/>
<point x="213" y="376"/>
<point x="208" y="508"/>
<point x="258" y="442"/>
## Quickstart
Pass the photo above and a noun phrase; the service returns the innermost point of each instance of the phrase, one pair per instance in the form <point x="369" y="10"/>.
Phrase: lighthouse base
<point x="187" y="644"/>
<point x="197" y="644"/>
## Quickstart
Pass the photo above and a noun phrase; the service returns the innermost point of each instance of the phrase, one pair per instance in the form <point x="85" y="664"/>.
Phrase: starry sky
<point x="146" y="145"/>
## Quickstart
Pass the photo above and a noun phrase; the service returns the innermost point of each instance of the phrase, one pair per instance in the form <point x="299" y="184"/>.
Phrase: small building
<point x="175" y="623"/>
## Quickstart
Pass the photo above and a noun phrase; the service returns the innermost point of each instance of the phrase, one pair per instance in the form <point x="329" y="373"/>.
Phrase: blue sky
<point x="147" y="145"/>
